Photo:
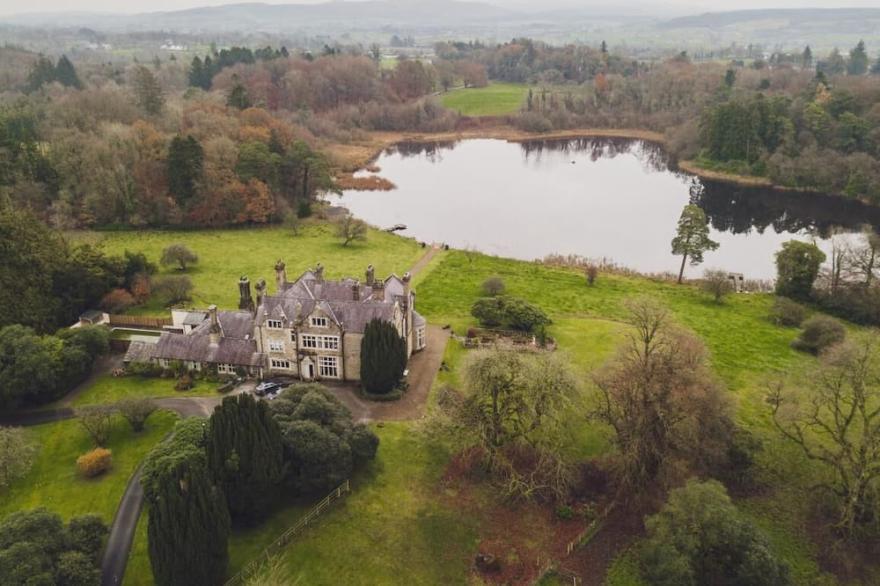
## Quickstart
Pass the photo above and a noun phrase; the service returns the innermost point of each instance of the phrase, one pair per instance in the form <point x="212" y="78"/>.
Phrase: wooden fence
<point x="252" y="567"/>
<point x="139" y="321"/>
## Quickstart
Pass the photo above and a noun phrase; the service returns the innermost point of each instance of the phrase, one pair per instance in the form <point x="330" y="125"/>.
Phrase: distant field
<point x="496" y="99"/>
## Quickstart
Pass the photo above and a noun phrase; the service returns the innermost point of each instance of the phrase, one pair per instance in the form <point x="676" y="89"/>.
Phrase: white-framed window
<point x="274" y="324"/>
<point x="225" y="369"/>
<point x="420" y="338"/>
<point x="328" y="366"/>
<point x="276" y="346"/>
<point x="276" y="363"/>
<point x="320" y="342"/>
<point x="319" y="322"/>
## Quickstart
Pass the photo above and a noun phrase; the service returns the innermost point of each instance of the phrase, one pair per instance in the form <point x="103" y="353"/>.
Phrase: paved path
<point x="423" y="368"/>
<point x="122" y="531"/>
<point x="424" y="260"/>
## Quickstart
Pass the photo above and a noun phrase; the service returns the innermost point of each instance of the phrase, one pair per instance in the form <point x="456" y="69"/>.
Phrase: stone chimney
<point x="261" y="291"/>
<point x="356" y="291"/>
<point x="319" y="273"/>
<point x="215" y="331"/>
<point x="280" y="275"/>
<point x="378" y="290"/>
<point x="245" y="301"/>
<point x="408" y="311"/>
<point x="371" y="276"/>
<point x="406" y="288"/>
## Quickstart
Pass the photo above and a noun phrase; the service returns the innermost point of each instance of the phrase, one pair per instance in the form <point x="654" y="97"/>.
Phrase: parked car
<point x="266" y="387"/>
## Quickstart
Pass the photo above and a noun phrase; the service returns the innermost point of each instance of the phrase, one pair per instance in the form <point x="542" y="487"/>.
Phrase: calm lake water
<point x="607" y="199"/>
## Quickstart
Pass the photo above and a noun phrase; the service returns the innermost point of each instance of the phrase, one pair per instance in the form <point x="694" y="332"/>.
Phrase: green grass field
<point x="496" y="99"/>
<point x="110" y="389"/>
<point x="226" y="255"/>
<point x="54" y="483"/>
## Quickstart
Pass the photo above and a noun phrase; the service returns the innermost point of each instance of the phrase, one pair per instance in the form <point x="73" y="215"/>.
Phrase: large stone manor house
<point x="310" y="328"/>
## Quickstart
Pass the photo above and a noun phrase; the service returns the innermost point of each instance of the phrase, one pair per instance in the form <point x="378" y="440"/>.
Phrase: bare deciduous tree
<point x="350" y="229"/>
<point x="838" y="425"/>
<point x="96" y="420"/>
<point x="659" y="397"/>
<point x="136" y="411"/>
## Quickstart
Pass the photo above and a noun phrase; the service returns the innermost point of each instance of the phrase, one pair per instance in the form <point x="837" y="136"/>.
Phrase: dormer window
<point x="274" y="324"/>
<point x="319" y="322"/>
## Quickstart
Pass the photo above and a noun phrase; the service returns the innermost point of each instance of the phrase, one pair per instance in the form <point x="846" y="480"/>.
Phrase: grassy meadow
<point x="109" y="389"/>
<point x="54" y="482"/>
<point x="496" y="99"/>
<point x="226" y="255"/>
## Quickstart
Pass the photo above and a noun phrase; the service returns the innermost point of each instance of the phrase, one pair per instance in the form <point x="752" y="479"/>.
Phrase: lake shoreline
<point x="354" y="157"/>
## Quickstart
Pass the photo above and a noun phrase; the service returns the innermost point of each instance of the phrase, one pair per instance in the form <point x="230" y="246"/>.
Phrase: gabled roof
<point x="233" y="324"/>
<point x="198" y="348"/>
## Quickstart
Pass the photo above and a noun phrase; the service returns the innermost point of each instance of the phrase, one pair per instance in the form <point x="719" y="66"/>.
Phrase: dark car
<point x="267" y="387"/>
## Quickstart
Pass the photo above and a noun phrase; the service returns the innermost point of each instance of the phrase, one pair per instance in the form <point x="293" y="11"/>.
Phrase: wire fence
<point x="301" y="525"/>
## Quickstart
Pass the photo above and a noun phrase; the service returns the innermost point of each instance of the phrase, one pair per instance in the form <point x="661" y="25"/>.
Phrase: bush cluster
<point x="509" y="312"/>
<point x="786" y="312"/>
<point x="95" y="462"/>
<point x="820" y="332"/>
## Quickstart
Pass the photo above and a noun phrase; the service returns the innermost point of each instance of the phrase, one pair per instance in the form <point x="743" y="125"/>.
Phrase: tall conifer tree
<point x="383" y="357"/>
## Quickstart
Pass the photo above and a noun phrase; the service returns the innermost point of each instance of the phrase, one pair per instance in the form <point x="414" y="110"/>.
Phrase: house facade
<point x="309" y="328"/>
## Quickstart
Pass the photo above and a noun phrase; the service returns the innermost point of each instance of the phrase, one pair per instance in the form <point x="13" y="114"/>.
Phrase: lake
<point x="612" y="199"/>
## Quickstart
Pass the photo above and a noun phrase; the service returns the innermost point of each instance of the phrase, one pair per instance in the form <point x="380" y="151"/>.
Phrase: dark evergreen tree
<point x="238" y="97"/>
<point x="188" y="524"/>
<point x="185" y="166"/>
<point x="148" y="90"/>
<point x="41" y="73"/>
<point x="245" y="455"/>
<point x="807" y="58"/>
<point x="858" y="60"/>
<point x="383" y="357"/>
<point x="797" y="266"/>
<point x="65" y="73"/>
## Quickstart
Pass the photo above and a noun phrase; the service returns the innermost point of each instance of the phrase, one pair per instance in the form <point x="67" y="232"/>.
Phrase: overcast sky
<point x="21" y="6"/>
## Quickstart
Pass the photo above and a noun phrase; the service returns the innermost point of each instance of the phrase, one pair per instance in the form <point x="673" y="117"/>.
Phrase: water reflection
<point x="595" y="197"/>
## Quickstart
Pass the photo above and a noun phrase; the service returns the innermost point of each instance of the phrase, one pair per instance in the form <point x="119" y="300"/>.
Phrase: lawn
<point x="54" y="483"/>
<point x="226" y="255"/>
<point x="496" y="99"/>
<point x="110" y="389"/>
<point x="388" y="527"/>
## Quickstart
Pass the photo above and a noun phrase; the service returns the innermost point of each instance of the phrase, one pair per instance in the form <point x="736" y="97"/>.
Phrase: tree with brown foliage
<point x="837" y="425"/>
<point x="662" y="402"/>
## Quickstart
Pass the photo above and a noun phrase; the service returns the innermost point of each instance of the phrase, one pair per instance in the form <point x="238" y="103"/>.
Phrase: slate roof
<point x="198" y="348"/>
<point x="139" y="352"/>
<point x="334" y="298"/>
<point x="233" y="324"/>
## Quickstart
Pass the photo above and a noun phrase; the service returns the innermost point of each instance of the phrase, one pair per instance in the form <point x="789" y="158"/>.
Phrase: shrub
<point x="96" y="420"/>
<point x="493" y="286"/>
<point x="184" y="383"/>
<point x="117" y="301"/>
<point x="141" y="286"/>
<point x="16" y="454"/>
<point x="511" y="312"/>
<point x="856" y="303"/>
<point x="564" y="512"/>
<point x="717" y="284"/>
<point x="699" y="537"/>
<point x="786" y="312"/>
<point x="94" y="463"/>
<point x="144" y="369"/>
<point x="173" y="289"/>
<point x="592" y="273"/>
<point x="820" y="332"/>
<point x="136" y="410"/>
<point x="179" y="255"/>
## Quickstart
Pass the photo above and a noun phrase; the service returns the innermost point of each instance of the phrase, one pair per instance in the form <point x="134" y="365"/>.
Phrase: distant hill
<point x="836" y="19"/>
<point x="281" y="17"/>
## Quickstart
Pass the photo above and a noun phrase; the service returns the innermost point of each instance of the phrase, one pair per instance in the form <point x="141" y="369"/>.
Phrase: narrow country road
<point x="122" y="530"/>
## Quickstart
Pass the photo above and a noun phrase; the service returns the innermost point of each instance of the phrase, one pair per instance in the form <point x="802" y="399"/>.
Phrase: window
<point x="284" y="364"/>
<point x="319" y="322"/>
<point x="320" y="342"/>
<point x="276" y="346"/>
<point x="275" y="324"/>
<point x="327" y="367"/>
<point x="420" y="337"/>
<point x="225" y="369"/>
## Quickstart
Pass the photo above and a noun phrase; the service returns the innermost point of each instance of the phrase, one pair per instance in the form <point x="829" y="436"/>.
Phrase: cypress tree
<point x="383" y="357"/>
<point x="245" y="455"/>
<point x="65" y="73"/>
<point x="185" y="165"/>
<point x="188" y="525"/>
